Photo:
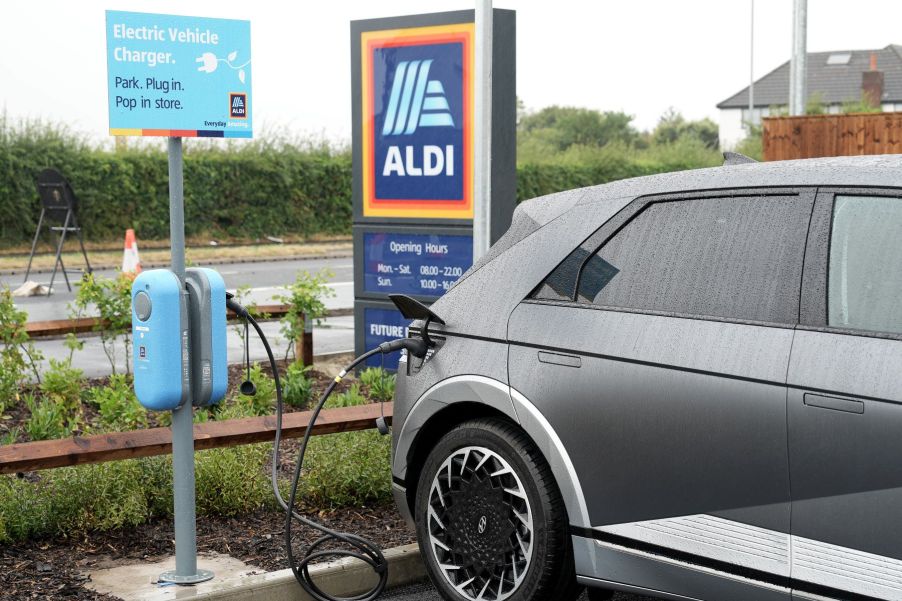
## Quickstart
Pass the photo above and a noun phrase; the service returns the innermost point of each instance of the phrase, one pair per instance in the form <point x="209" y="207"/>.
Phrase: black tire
<point x="484" y="537"/>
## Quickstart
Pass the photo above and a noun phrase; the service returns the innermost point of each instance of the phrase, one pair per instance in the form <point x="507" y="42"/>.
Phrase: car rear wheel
<point x="491" y="522"/>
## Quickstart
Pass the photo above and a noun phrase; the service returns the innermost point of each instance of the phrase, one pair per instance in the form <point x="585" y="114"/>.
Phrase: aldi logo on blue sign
<point x="416" y="136"/>
<point x="417" y="126"/>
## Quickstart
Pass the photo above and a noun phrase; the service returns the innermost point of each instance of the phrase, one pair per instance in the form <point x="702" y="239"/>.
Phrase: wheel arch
<point x="462" y="398"/>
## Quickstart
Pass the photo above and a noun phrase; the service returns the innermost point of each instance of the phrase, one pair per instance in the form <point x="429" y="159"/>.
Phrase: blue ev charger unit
<point x="160" y="340"/>
<point x="207" y="319"/>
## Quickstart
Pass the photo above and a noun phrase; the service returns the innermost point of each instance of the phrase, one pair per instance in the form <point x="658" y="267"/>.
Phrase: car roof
<point x="882" y="171"/>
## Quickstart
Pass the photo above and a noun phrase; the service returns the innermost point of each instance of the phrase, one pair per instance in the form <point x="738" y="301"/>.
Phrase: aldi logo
<point x="417" y="134"/>
<point x="237" y="105"/>
<point x="429" y="109"/>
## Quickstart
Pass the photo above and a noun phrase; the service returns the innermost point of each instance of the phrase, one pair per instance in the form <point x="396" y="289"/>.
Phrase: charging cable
<point x="355" y="546"/>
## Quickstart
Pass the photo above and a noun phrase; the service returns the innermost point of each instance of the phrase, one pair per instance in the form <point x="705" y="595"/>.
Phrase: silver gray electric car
<point x="685" y="385"/>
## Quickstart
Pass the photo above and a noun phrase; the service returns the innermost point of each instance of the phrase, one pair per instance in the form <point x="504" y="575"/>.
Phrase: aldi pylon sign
<point x="413" y="81"/>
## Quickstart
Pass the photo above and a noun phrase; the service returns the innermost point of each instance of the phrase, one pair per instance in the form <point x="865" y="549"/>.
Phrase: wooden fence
<point x="813" y="136"/>
<point x="78" y="450"/>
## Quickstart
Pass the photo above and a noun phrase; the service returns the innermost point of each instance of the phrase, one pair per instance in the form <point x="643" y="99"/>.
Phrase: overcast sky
<point x="638" y="56"/>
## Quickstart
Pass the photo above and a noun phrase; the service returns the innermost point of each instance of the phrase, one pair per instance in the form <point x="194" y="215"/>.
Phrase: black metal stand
<point x="58" y="204"/>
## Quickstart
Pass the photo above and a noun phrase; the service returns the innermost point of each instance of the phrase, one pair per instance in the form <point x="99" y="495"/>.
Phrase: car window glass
<point x="865" y="276"/>
<point x="735" y="258"/>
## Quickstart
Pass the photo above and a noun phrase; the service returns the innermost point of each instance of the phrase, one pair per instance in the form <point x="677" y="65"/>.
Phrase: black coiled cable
<point x="356" y="546"/>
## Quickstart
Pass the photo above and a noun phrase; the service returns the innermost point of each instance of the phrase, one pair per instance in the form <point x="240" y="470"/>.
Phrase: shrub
<point x="118" y="406"/>
<point x="231" y="481"/>
<point x="349" y="398"/>
<point x="17" y="353"/>
<point x="297" y="386"/>
<point x="305" y="302"/>
<point x="380" y="383"/>
<point x="62" y="384"/>
<point x="75" y="499"/>
<point x="48" y="419"/>
<point x="346" y="469"/>
<point x="113" y="300"/>
<point x="262" y="402"/>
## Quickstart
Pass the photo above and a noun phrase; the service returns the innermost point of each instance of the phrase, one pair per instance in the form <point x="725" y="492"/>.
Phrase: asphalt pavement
<point x="426" y="592"/>
<point x="266" y="280"/>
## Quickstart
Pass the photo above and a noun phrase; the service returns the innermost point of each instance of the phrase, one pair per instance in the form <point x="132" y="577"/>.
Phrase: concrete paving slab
<point x="136" y="582"/>
<point x="344" y="578"/>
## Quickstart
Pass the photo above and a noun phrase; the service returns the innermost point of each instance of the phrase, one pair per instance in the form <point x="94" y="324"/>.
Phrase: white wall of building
<point x="732" y="129"/>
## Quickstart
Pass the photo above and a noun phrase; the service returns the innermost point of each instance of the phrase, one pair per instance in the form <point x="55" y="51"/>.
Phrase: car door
<point x="845" y="401"/>
<point x="658" y="351"/>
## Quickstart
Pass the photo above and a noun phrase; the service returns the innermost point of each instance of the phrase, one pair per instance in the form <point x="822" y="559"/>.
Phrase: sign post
<point x="179" y="77"/>
<point x="414" y="96"/>
<point x="482" y="217"/>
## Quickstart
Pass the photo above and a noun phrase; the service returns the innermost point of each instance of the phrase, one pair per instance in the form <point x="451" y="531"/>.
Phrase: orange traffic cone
<point x="131" y="263"/>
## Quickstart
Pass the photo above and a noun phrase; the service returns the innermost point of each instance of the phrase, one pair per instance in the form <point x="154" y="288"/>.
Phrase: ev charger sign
<point x="413" y="81"/>
<point x="178" y="76"/>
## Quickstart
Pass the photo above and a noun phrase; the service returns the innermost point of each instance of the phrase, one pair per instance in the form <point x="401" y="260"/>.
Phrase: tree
<point x="563" y="127"/>
<point x="672" y="126"/>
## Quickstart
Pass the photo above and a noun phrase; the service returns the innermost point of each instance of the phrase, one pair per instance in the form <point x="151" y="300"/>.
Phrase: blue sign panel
<point x="419" y="264"/>
<point x="178" y="76"/>
<point x="420" y="91"/>
<point x="383" y="325"/>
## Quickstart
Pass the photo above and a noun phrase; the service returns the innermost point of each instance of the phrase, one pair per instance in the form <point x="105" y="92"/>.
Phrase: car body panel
<point x="676" y="417"/>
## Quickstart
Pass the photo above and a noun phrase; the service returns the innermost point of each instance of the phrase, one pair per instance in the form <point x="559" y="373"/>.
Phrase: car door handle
<point x="836" y="404"/>
<point x="560" y="359"/>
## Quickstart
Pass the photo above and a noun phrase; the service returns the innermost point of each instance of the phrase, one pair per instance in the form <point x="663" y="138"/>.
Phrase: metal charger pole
<point x="186" y="571"/>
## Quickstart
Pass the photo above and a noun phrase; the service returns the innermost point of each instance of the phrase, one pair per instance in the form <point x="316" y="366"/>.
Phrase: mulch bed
<point x="57" y="568"/>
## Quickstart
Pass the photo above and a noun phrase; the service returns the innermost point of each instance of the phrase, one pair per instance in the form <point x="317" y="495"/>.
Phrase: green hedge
<point x="241" y="194"/>
<point x="244" y="191"/>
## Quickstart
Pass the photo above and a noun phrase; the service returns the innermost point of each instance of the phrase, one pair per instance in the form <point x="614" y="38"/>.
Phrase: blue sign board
<point x="420" y="92"/>
<point x="383" y="325"/>
<point x="178" y="76"/>
<point x="416" y="90"/>
<point x="418" y="264"/>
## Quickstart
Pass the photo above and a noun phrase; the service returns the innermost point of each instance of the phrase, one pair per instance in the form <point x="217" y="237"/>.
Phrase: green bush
<point x="73" y="500"/>
<point x="242" y="190"/>
<point x="62" y="385"/>
<point x="261" y="403"/>
<point x="305" y="302"/>
<point x="17" y="353"/>
<point x="118" y="406"/>
<point x="297" y="386"/>
<point x="380" y="383"/>
<point x="350" y="398"/>
<point x="231" y="481"/>
<point x="48" y="419"/>
<point x="112" y="298"/>
<point x="347" y="469"/>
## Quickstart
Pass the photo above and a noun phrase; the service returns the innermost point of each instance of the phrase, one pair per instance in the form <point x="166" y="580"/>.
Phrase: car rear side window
<point x="865" y="276"/>
<point x="735" y="258"/>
